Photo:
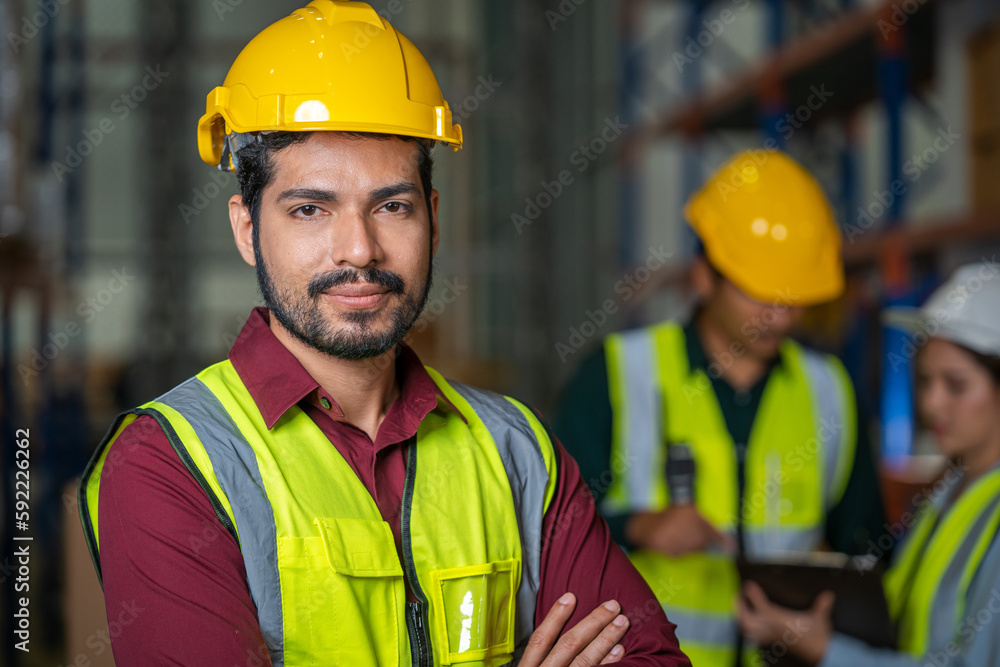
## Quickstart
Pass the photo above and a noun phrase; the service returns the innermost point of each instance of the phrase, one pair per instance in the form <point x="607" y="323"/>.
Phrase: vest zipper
<point x="419" y="650"/>
<point x="416" y="612"/>
<point x="741" y="484"/>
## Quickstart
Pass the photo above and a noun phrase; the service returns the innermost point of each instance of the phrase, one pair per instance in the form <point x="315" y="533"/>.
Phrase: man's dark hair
<point x="256" y="169"/>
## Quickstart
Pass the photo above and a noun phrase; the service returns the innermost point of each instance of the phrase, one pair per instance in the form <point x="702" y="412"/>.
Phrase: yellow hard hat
<point x="767" y="227"/>
<point x="333" y="65"/>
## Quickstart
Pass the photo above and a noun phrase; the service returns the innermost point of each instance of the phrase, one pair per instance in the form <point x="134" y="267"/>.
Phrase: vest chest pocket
<point x="342" y="594"/>
<point x="473" y="608"/>
<point x="369" y="605"/>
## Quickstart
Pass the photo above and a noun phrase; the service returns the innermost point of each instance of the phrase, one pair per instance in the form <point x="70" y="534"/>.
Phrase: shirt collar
<point x="277" y="381"/>
<point x="698" y="357"/>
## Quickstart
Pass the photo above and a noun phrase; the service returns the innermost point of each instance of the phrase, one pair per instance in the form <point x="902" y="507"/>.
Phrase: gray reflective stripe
<point x="830" y="411"/>
<point x="941" y="627"/>
<point x="764" y="541"/>
<point x="984" y="593"/>
<point x="525" y="466"/>
<point x="702" y="628"/>
<point x="642" y="430"/>
<point x="235" y="466"/>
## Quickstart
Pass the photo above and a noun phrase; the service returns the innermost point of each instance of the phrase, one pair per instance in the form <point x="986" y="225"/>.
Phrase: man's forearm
<point x="579" y="556"/>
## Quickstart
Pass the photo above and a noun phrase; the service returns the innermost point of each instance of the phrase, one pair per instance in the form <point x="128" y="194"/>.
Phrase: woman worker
<point x="943" y="588"/>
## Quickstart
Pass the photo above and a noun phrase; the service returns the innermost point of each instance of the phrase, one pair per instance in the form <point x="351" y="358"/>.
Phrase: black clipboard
<point x="860" y="609"/>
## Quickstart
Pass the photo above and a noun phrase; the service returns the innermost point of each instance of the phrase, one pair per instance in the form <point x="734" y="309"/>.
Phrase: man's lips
<point x="358" y="296"/>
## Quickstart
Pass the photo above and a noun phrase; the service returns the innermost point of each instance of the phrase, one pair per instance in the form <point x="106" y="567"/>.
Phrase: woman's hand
<point x="805" y="634"/>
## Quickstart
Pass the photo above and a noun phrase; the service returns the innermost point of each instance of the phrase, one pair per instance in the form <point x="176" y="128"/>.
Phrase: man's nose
<point x="355" y="240"/>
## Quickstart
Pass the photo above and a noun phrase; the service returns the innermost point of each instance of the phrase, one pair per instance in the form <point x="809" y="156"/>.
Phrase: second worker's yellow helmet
<point x="768" y="228"/>
<point x="333" y="65"/>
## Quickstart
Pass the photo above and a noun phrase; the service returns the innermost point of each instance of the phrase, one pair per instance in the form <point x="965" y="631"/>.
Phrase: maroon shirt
<point x="175" y="584"/>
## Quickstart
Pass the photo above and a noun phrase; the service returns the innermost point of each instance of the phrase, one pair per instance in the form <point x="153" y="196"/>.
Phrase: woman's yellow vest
<point x="928" y="584"/>
<point x="796" y="466"/>
<point x="321" y="563"/>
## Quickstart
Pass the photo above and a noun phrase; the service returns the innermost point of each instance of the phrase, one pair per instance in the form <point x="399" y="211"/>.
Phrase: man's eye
<point x="395" y="207"/>
<point x="307" y="211"/>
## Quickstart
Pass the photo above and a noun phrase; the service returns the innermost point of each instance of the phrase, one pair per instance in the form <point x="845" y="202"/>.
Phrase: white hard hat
<point x="964" y="310"/>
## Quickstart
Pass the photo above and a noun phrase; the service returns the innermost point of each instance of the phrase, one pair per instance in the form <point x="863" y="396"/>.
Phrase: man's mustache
<point x="393" y="282"/>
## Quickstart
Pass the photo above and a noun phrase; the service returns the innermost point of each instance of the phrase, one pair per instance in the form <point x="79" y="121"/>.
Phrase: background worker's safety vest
<point x="321" y="563"/>
<point x="797" y="463"/>
<point x="928" y="584"/>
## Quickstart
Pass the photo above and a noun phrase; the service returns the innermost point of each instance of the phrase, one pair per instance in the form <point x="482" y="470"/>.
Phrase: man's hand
<point x="676" y="531"/>
<point x="805" y="634"/>
<point x="592" y="641"/>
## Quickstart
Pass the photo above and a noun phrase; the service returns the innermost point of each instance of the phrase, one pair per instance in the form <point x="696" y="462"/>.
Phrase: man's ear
<point x="435" y="198"/>
<point x="239" y="219"/>
<point x="703" y="278"/>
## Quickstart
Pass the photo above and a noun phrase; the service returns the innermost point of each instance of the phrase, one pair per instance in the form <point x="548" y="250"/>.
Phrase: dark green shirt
<point x="583" y="423"/>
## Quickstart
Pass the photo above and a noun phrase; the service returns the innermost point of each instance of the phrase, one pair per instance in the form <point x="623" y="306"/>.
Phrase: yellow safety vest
<point x="927" y="585"/>
<point x="321" y="563"/>
<point x="798" y="460"/>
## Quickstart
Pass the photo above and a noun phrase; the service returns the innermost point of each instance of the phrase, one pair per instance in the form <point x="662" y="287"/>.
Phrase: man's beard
<point x="303" y="318"/>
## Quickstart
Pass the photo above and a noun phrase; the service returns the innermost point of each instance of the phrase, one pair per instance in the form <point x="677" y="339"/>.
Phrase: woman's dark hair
<point x="989" y="362"/>
<point x="256" y="168"/>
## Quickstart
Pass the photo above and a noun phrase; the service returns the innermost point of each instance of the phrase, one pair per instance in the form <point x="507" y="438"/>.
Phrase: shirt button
<point x="325" y="402"/>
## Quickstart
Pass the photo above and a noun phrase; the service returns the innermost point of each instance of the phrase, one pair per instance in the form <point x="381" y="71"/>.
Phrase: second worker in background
<point x="761" y="433"/>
